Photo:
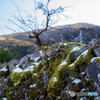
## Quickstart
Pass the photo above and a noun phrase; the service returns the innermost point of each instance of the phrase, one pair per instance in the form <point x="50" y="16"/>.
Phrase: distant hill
<point x="20" y="43"/>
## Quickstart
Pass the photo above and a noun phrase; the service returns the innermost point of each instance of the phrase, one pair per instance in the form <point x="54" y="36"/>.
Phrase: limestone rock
<point x="92" y="43"/>
<point x="92" y="71"/>
<point x="97" y="50"/>
<point x="12" y="64"/>
<point x="26" y="60"/>
<point x="76" y="55"/>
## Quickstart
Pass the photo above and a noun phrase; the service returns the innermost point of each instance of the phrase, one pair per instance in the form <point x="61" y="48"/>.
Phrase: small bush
<point x="6" y="56"/>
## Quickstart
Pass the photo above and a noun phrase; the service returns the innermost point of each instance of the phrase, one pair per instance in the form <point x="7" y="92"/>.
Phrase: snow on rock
<point x="63" y="63"/>
<point x="68" y="91"/>
<point x="4" y="69"/>
<point x="37" y="63"/>
<point x="31" y="68"/>
<point x="71" y="65"/>
<point x="83" y="89"/>
<point x="94" y="59"/>
<point x="76" y="81"/>
<point x="4" y="98"/>
<point x="85" y="53"/>
<point x="65" y="44"/>
<point x="82" y="73"/>
<point x="35" y="74"/>
<point x="17" y="83"/>
<point x="17" y="70"/>
<point x="75" y="49"/>
<point x="86" y="79"/>
<point x="31" y="86"/>
<point x="42" y="53"/>
<point x="54" y="79"/>
<point x="36" y="58"/>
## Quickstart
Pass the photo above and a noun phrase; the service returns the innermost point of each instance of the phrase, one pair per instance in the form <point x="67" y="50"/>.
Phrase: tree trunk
<point x="38" y="41"/>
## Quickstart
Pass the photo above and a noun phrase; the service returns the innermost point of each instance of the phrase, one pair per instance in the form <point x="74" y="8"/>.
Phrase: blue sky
<point x="81" y="11"/>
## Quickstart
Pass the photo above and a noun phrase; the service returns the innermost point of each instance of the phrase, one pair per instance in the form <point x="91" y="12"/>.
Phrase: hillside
<point x="19" y="43"/>
<point x="18" y="47"/>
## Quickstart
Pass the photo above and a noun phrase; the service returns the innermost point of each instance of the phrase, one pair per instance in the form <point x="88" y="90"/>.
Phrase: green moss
<point x="97" y="44"/>
<point x="26" y="75"/>
<point x="15" y="77"/>
<point x="81" y="61"/>
<point x="98" y="60"/>
<point x="79" y="44"/>
<point x="4" y="73"/>
<point x="44" y="48"/>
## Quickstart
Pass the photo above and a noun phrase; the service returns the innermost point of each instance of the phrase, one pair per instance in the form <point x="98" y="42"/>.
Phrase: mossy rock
<point x="98" y="60"/>
<point x="15" y="77"/>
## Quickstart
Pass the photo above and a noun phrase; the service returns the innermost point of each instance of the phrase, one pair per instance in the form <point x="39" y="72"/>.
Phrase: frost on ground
<point x="76" y="81"/>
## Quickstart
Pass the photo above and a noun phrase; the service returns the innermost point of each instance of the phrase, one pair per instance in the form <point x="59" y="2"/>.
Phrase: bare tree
<point x="31" y="22"/>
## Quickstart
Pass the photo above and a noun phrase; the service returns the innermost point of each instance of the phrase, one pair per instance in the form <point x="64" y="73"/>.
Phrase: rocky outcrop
<point x="12" y="64"/>
<point x="57" y="73"/>
<point x="93" y="71"/>
<point x="26" y="60"/>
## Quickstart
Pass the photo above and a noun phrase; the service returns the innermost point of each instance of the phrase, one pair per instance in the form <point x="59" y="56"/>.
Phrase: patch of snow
<point x="59" y="98"/>
<point x="41" y="53"/>
<point x="65" y="44"/>
<point x="35" y="74"/>
<point x="83" y="89"/>
<point x="76" y="81"/>
<point x="31" y="68"/>
<point x="31" y="86"/>
<point x="82" y="73"/>
<point x="71" y="65"/>
<point x="4" y="98"/>
<point x="84" y="53"/>
<point x="68" y="91"/>
<point x="18" y="70"/>
<point x="94" y="58"/>
<point x="17" y="65"/>
<point x="75" y="49"/>
<point x="16" y="83"/>
<point x="63" y="63"/>
<point x="72" y="78"/>
<point x="48" y="59"/>
<point x="4" y="69"/>
<point x="54" y="79"/>
<point x="86" y="79"/>
<point x="37" y="63"/>
<point x="36" y="58"/>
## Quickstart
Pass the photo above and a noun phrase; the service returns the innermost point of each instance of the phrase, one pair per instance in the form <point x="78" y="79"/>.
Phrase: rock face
<point x="54" y="74"/>
<point x="12" y="64"/>
<point x="97" y="50"/>
<point x="93" y="70"/>
<point x="25" y="61"/>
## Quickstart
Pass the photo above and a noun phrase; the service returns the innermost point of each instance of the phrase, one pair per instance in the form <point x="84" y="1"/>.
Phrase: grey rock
<point x="76" y="55"/>
<point x="97" y="50"/>
<point x="92" y="43"/>
<point x="92" y="71"/>
<point x="25" y="61"/>
<point x="12" y="64"/>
